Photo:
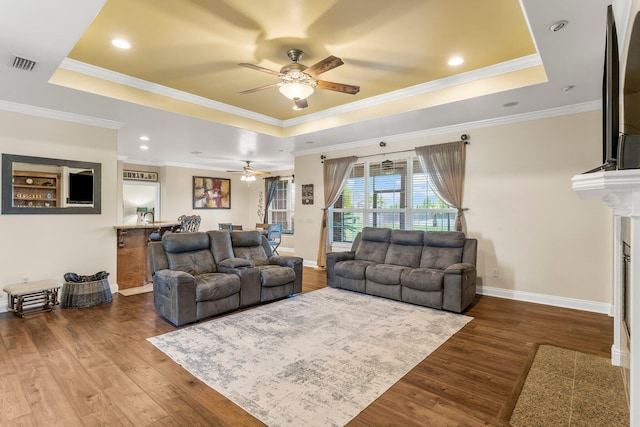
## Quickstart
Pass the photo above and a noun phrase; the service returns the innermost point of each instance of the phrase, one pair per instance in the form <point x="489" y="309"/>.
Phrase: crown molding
<point x="420" y="89"/>
<point x="458" y="79"/>
<point x="123" y="79"/>
<point x="59" y="115"/>
<point x="461" y="127"/>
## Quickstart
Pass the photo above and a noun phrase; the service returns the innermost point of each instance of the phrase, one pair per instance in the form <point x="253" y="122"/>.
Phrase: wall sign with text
<point x="139" y="176"/>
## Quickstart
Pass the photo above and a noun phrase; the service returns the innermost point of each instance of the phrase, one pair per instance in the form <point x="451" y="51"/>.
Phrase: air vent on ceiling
<point x="20" y="63"/>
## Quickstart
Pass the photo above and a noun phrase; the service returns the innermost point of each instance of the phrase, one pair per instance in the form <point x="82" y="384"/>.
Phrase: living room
<point x="537" y="240"/>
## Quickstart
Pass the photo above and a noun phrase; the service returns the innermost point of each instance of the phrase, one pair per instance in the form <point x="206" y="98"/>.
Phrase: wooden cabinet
<point x="36" y="189"/>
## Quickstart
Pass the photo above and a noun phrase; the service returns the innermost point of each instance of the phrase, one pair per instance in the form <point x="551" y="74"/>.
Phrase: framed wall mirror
<point x="40" y="185"/>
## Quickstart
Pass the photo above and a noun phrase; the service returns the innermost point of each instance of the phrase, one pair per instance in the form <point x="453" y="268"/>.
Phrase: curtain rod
<point x="464" y="138"/>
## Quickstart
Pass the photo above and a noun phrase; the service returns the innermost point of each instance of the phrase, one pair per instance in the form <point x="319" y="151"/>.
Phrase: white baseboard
<point x="306" y="263"/>
<point x="620" y="357"/>
<point x="577" y="304"/>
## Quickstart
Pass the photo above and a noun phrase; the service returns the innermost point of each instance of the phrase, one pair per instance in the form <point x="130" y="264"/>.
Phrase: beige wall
<point x="47" y="246"/>
<point x="176" y="188"/>
<point x="530" y="225"/>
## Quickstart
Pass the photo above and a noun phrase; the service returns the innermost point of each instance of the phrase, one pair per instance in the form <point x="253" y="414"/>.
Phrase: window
<point x="281" y="209"/>
<point x="392" y="194"/>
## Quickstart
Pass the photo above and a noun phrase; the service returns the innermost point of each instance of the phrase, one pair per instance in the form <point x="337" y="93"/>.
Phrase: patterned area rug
<point x="569" y="388"/>
<point x="317" y="359"/>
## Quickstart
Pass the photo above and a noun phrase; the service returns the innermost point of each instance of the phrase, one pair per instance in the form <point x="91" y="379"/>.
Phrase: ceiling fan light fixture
<point x="295" y="90"/>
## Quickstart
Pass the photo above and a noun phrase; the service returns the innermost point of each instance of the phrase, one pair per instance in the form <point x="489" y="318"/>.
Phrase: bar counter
<point x="133" y="260"/>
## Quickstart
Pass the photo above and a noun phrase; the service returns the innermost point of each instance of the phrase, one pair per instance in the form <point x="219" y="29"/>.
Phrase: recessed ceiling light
<point x="557" y="26"/>
<point x="195" y="153"/>
<point x="309" y="142"/>
<point x="144" y="138"/>
<point x="510" y="104"/>
<point x="144" y="147"/>
<point x="456" y="60"/>
<point x="121" y="43"/>
<point x="567" y="88"/>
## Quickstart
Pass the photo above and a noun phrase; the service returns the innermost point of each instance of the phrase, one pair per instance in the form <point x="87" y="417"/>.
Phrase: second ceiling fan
<point x="298" y="81"/>
<point x="248" y="173"/>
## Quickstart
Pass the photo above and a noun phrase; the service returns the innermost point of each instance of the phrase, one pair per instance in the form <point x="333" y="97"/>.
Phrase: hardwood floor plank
<point x="119" y="379"/>
<point x="13" y="403"/>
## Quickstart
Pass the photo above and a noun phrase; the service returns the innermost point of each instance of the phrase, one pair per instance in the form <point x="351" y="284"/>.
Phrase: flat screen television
<point x="610" y="96"/>
<point x="81" y="188"/>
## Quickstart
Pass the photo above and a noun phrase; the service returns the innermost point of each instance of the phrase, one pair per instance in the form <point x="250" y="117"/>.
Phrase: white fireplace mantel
<point x="620" y="190"/>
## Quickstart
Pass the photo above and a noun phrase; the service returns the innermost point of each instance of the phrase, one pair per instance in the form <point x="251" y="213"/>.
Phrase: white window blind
<point x="391" y="194"/>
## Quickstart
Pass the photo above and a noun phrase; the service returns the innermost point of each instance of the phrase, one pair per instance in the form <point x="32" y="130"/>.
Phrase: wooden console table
<point x="132" y="258"/>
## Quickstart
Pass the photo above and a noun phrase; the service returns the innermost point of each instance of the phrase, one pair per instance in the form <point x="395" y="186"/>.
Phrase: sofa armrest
<point x="459" y="288"/>
<point x="285" y="261"/>
<point x="294" y="262"/>
<point x="174" y="295"/>
<point x="332" y="259"/>
<point x="250" y="285"/>
<point x="459" y="268"/>
<point x="235" y="263"/>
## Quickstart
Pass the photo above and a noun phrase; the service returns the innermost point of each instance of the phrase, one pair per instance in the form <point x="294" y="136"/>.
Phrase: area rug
<point x="569" y="388"/>
<point x="317" y="359"/>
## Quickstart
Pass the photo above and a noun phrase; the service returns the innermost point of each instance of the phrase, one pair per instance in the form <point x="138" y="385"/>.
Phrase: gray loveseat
<point x="199" y="275"/>
<point x="433" y="269"/>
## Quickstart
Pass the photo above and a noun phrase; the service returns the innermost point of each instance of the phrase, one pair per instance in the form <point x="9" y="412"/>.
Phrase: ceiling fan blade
<point x="256" y="89"/>
<point x="328" y="63"/>
<point x="259" y="68"/>
<point x="260" y="173"/>
<point x="338" y="87"/>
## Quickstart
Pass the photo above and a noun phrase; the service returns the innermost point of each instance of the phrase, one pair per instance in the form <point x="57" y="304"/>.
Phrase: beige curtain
<point x="335" y="173"/>
<point x="444" y="164"/>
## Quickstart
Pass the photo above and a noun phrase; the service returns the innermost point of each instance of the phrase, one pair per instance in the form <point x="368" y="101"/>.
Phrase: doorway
<point x="136" y="195"/>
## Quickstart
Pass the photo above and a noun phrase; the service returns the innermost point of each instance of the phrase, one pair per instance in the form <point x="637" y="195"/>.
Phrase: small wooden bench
<point x="33" y="297"/>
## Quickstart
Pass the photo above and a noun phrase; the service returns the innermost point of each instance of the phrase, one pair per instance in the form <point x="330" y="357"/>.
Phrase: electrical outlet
<point x="494" y="273"/>
<point x="25" y="280"/>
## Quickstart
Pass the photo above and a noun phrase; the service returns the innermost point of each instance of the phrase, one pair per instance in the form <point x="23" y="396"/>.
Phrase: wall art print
<point x="307" y="194"/>
<point x="211" y="193"/>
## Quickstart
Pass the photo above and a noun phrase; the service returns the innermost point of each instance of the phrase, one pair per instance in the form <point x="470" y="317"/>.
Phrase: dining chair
<point x="224" y="226"/>
<point x="274" y="237"/>
<point x="236" y="227"/>
<point x="260" y="226"/>
<point x="189" y="223"/>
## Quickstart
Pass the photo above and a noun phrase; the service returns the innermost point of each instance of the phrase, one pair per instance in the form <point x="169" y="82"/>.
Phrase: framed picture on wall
<point x="307" y="194"/>
<point x="211" y="193"/>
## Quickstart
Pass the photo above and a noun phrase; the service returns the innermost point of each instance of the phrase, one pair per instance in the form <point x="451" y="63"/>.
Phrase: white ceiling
<point x="48" y="31"/>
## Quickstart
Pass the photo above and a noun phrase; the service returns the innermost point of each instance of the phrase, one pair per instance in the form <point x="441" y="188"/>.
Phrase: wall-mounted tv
<point x="80" y="188"/>
<point x="610" y="96"/>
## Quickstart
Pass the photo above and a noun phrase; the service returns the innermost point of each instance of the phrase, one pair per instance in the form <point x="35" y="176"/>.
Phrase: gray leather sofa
<point x="199" y="275"/>
<point x="433" y="269"/>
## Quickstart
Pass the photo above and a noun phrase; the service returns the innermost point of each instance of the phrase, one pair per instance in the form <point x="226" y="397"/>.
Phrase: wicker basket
<point x="85" y="294"/>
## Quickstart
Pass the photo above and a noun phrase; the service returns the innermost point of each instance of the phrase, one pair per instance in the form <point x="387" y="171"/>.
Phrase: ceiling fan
<point x="248" y="173"/>
<point x="298" y="81"/>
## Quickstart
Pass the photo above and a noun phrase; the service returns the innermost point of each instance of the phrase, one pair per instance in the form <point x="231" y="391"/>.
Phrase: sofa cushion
<point x="353" y="269"/>
<point x="386" y="274"/>
<point x="373" y="245"/>
<point x="215" y="286"/>
<point x="405" y="248"/>
<point x="444" y="239"/>
<point x="185" y="242"/>
<point x="276" y="275"/>
<point x="255" y="254"/>
<point x="194" y="263"/>
<point x="246" y="238"/>
<point x="423" y="279"/>
<point x="440" y="258"/>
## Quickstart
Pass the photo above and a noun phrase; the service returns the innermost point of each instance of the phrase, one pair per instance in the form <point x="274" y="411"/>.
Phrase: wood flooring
<point x="93" y="366"/>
